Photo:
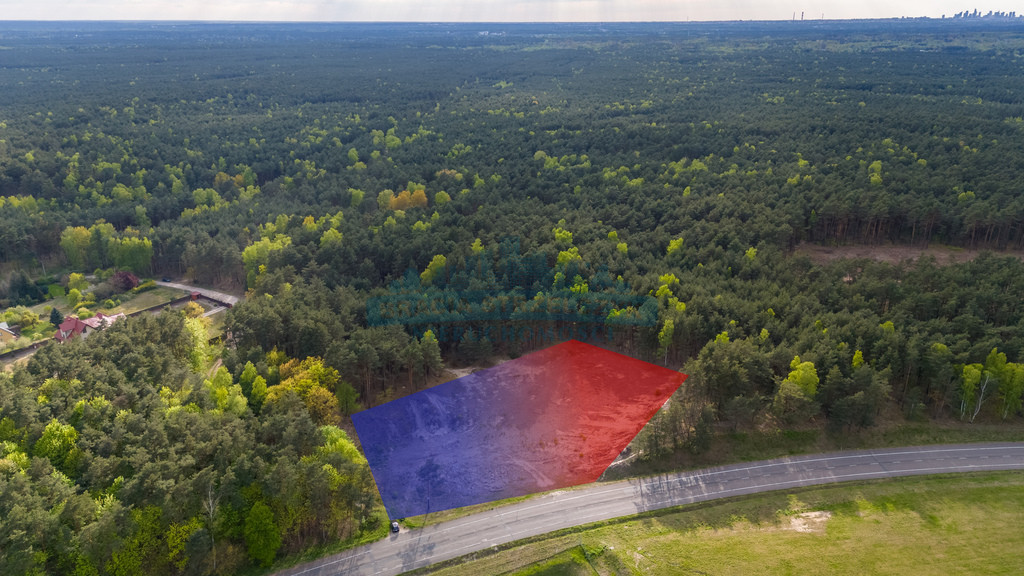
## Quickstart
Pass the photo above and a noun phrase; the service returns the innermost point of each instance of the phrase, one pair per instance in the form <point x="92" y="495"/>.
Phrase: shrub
<point x="124" y="281"/>
<point x="194" y="310"/>
<point x="102" y="291"/>
<point x="103" y="274"/>
<point x="76" y="281"/>
<point x="27" y="319"/>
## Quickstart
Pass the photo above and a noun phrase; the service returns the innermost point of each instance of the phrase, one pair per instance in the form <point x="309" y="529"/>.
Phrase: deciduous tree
<point x="262" y="536"/>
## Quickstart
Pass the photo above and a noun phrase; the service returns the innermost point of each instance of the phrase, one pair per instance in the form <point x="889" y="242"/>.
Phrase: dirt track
<point x="893" y="254"/>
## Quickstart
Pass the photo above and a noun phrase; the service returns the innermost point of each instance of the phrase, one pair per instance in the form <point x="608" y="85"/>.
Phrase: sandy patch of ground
<point x="809" y="522"/>
<point x="894" y="254"/>
<point x="803" y="522"/>
<point x="460" y="372"/>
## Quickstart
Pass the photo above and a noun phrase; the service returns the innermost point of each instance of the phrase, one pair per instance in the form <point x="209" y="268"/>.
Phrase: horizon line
<point x="505" y="22"/>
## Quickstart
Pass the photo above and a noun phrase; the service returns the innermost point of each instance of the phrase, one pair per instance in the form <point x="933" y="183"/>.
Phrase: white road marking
<point x="670" y="485"/>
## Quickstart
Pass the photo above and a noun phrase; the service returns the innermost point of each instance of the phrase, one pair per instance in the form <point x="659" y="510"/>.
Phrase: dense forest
<point x="392" y="198"/>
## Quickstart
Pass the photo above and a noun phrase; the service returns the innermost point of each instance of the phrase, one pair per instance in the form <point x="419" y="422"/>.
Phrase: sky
<point x="482" y="10"/>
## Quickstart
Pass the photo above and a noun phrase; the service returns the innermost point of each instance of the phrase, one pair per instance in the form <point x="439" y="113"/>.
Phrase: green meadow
<point x="941" y="525"/>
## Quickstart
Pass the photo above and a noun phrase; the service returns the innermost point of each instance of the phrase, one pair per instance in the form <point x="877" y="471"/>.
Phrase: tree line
<point x="390" y="207"/>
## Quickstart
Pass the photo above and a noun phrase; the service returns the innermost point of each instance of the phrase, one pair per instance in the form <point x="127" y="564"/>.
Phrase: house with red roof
<point x="101" y="321"/>
<point x="72" y="326"/>
<point x="69" y="328"/>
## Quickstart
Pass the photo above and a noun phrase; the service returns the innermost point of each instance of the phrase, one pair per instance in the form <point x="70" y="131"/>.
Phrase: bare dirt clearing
<point x="894" y="254"/>
<point x="808" y="522"/>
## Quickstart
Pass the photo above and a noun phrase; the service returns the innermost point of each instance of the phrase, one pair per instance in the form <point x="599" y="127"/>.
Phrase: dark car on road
<point x="394" y="526"/>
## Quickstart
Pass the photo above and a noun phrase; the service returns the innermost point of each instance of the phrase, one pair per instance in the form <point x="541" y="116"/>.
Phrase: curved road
<point x="208" y="293"/>
<point x="413" y="549"/>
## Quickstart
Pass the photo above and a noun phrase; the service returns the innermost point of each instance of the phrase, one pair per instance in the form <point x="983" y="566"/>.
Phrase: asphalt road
<point x="421" y="547"/>
<point x="211" y="294"/>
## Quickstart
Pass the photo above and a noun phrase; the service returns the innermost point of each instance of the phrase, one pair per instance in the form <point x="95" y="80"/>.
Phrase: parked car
<point x="394" y="526"/>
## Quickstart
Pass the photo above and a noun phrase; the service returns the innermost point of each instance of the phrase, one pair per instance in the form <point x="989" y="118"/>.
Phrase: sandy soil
<point x="893" y="254"/>
<point x="808" y="522"/>
<point x="460" y="372"/>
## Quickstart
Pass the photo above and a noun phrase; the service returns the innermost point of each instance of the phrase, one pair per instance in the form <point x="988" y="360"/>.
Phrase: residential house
<point x="69" y="328"/>
<point x="8" y="333"/>
<point x="72" y="326"/>
<point x="101" y="321"/>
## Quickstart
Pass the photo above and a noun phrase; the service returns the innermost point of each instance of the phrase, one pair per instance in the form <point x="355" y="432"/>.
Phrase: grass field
<point x="216" y="327"/>
<point x="138" y="302"/>
<point x="949" y="524"/>
<point x="143" y="300"/>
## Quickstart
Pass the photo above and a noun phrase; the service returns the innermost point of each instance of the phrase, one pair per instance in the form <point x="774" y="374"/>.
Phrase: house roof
<point x="101" y="320"/>
<point x="69" y="328"/>
<point x="72" y="326"/>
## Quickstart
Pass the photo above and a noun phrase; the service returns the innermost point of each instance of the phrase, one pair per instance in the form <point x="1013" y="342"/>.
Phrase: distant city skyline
<point x="481" y="10"/>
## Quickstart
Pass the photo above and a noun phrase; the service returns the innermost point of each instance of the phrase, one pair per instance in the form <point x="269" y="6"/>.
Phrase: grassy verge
<point x="446" y="515"/>
<point x="747" y="446"/>
<point x="957" y="523"/>
<point x="734" y="447"/>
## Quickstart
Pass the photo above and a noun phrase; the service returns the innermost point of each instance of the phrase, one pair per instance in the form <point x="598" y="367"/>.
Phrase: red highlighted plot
<point x="551" y="419"/>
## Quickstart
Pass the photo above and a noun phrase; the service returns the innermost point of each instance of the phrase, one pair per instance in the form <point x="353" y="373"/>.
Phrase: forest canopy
<point x="395" y="198"/>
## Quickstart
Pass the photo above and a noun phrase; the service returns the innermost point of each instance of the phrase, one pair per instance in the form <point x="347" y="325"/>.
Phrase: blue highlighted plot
<point x="551" y="419"/>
